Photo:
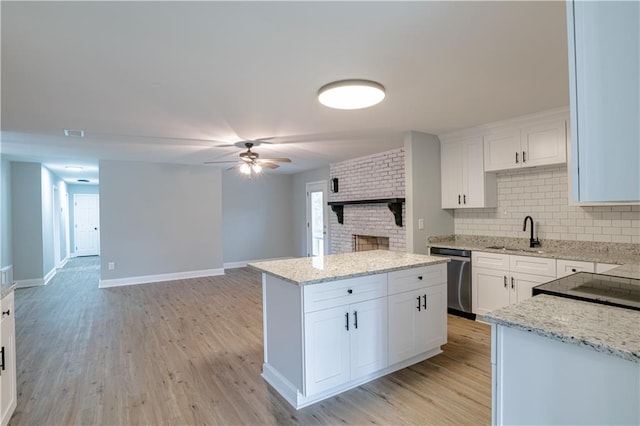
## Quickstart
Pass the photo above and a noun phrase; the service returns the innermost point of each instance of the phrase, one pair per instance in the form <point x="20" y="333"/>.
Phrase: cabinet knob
<point x="6" y="313"/>
<point x="350" y="291"/>
<point x="573" y="269"/>
<point x="420" y="277"/>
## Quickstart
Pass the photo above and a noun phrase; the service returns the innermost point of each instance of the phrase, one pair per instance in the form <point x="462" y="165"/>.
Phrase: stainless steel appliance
<point x="458" y="280"/>
<point x="597" y="288"/>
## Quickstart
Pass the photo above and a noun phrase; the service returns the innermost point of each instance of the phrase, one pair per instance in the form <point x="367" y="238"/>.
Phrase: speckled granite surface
<point x="311" y="270"/>
<point x="621" y="254"/>
<point x="606" y="329"/>
<point x="6" y="289"/>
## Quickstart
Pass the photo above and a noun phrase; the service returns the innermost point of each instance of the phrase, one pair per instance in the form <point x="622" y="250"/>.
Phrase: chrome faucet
<point x="533" y="242"/>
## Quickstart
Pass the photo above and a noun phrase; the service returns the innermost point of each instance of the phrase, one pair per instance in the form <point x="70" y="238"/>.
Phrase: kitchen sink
<point x="525" y="250"/>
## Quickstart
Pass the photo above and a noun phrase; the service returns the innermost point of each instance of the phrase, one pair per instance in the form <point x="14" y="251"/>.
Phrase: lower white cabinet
<point x="497" y="280"/>
<point x="322" y="339"/>
<point x="344" y="343"/>
<point x="417" y="322"/>
<point x="7" y="360"/>
<point x="569" y="267"/>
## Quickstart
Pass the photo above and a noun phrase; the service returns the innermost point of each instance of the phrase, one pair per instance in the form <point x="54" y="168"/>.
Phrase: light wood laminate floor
<point x="190" y="352"/>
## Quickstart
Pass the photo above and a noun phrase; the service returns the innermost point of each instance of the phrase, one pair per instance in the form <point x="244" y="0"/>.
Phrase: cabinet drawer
<point x="6" y="306"/>
<point x="414" y="278"/>
<point x="533" y="265"/>
<point x="343" y="292"/>
<point x="483" y="259"/>
<point x="568" y="267"/>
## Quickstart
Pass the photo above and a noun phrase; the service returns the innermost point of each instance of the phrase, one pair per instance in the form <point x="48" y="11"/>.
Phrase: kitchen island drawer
<point x="343" y="292"/>
<point x="415" y="278"/>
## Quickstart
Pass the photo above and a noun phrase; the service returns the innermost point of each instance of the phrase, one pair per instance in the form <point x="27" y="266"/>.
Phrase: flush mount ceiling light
<point x="351" y="94"/>
<point x="73" y="168"/>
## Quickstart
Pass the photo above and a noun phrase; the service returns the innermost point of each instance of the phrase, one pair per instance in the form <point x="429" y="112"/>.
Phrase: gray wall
<point x="77" y="189"/>
<point x="6" y="258"/>
<point x="257" y="217"/>
<point x="299" y="221"/>
<point x="159" y="218"/>
<point x="26" y="211"/>
<point x="423" y="191"/>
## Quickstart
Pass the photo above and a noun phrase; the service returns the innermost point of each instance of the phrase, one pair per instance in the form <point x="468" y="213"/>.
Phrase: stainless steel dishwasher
<point x="458" y="280"/>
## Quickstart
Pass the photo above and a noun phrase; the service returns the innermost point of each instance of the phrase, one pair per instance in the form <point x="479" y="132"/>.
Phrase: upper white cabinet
<point x="534" y="144"/>
<point x="604" y="77"/>
<point x="464" y="183"/>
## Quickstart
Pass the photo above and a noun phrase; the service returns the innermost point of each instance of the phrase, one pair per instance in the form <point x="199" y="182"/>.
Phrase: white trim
<point x="6" y="275"/>
<point x="146" y="279"/>
<point x="62" y="263"/>
<point x="34" y="282"/>
<point x="244" y="263"/>
<point x="72" y="254"/>
<point x="49" y="276"/>
<point x="293" y="396"/>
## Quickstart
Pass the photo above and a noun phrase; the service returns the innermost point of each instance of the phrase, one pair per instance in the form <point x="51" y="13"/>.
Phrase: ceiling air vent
<point x="83" y="180"/>
<point x="74" y="133"/>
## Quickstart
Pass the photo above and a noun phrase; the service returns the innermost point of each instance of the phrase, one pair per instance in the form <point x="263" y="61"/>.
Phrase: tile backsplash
<point x="542" y="194"/>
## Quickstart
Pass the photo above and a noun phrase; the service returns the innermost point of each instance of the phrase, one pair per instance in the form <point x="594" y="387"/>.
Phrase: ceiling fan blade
<point x="269" y="165"/>
<point x="237" y="166"/>
<point x="276" y="160"/>
<point x="220" y="162"/>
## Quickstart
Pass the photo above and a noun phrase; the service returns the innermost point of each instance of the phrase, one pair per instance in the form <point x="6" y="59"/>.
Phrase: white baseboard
<point x="243" y="263"/>
<point x="62" y="263"/>
<point x="146" y="279"/>
<point x="50" y="274"/>
<point x="34" y="282"/>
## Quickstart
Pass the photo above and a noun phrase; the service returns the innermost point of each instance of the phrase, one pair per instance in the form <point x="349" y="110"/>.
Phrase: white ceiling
<point x="172" y="81"/>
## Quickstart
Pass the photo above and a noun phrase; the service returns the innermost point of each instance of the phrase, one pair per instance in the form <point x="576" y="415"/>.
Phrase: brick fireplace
<point x="369" y="242"/>
<point x="375" y="176"/>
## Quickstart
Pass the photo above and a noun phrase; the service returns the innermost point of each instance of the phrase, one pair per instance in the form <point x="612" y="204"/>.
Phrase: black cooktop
<point x="597" y="288"/>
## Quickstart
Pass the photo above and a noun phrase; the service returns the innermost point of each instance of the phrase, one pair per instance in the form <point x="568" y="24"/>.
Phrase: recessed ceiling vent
<point x="83" y="180"/>
<point x="74" y="133"/>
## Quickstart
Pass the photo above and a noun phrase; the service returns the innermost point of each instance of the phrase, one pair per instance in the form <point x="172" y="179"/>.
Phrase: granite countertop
<point x="6" y="289"/>
<point x="312" y="270"/>
<point x="607" y="329"/>
<point x="620" y="254"/>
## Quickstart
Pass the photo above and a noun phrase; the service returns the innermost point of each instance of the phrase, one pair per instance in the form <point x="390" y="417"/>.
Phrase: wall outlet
<point x="421" y="223"/>
<point x="111" y="266"/>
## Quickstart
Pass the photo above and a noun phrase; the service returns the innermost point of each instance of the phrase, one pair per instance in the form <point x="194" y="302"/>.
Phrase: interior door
<point x="317" y="219"/>
<point x="87" y="221"/>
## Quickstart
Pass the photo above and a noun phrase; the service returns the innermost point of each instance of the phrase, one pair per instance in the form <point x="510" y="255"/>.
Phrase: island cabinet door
<point x="327" y="356"/>
<point x="368" y="337"/>
<point x="417" y="322"/>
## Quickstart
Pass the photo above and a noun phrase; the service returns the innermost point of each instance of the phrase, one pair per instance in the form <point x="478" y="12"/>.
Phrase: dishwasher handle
<point x="458" y="258"/>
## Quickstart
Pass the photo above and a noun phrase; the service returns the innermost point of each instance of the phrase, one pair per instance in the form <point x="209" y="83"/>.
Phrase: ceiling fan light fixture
<point x="245" y="169"/>
<point x="351" y="94"/>
<point x="257" y="168"/>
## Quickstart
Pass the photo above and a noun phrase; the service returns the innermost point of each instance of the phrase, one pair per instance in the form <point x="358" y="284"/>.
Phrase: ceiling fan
<point x="251" y="163"/>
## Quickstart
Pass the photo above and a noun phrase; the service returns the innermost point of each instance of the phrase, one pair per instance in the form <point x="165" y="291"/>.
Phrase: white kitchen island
<point x="335" y="322"/>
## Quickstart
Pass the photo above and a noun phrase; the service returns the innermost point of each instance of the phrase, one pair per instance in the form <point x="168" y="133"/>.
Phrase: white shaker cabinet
<point x="324" y="338"/>
<point x="604" y="88"/>
<point x="499" y="280"/>
<point x="417" y="322"/>
<point x="464" y="181"/>
<point x="528" y="145"/>
<point x="8" y="398"/>
<point x="345" y="343"/>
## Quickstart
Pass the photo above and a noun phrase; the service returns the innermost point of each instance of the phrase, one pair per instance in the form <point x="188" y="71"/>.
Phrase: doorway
<point x="317" y="219"/>
<point x="86" y="214"/>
